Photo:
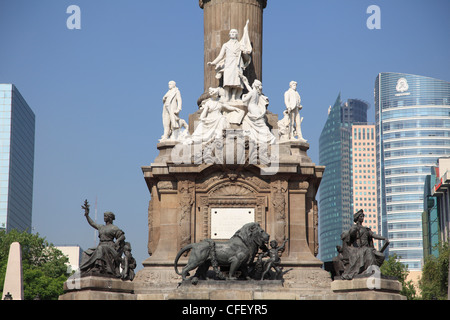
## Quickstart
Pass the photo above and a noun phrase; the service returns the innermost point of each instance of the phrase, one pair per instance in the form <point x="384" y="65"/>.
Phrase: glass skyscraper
<point x="335" y="153"/>
<point x="17" y="129"/>
<point x="412" y="115"/>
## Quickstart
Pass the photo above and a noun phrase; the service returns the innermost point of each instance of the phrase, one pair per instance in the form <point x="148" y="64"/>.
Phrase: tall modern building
<point x="412" y="115"/>
<point x="364" y="182"/>
<point x="17" y="129"/>
<point x="335" y="153"/>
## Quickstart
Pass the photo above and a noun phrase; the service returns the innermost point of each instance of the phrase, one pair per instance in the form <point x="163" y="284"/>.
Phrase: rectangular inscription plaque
<point x="226" y="221"/>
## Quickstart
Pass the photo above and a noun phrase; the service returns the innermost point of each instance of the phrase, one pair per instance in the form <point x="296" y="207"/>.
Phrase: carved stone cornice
<point x="166" y="186"/>
<point x="201" y="3"/>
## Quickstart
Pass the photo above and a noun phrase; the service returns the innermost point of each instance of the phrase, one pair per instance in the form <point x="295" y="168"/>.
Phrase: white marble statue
<point x="284" y="126"/>
<point x="234" y="57"/>
<point x="181" y="133"/>
<point x="212" y="120"/>
<point x="171" y="109"/>
<point x="254" y="123"/>
<point x="292" y="101"/>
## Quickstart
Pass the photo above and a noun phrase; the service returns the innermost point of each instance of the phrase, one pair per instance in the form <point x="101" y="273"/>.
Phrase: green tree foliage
<point x="393" y="267"/>
<point x="44" y="267"/>
<point x="434" y="280"/>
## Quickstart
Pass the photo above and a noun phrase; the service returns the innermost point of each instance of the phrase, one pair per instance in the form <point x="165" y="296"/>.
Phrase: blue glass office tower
<point x="335" y="198"/>
<point x="412" y="115"/>
<point x="17" y="129"/>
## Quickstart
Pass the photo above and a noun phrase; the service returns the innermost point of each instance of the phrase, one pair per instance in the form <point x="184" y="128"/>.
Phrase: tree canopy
<point x="393" y="267"/>
<point x="43" y="265"/>
<point x="434" y="280"/>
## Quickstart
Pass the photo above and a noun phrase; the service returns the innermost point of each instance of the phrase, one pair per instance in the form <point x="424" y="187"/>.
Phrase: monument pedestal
<point x="156" y="281"/>
<point x="98" y="288"/>
<point x="313" y="286"/>
<point x="299" y="283"/>
<point x="282" y="200"/>
<point x="233" y="290"/>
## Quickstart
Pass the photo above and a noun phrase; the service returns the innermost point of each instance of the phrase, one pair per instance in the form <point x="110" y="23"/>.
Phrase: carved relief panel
<point x="186" y="189"/>
<point x="280" y="208"/>
<point x="230" y="194"/>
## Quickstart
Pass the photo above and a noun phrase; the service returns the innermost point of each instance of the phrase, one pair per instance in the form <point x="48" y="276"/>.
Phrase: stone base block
<point x="156" y="278"/>
<point x="299" y="283"/>
<point x="368" y="288"/>
<point x="306" y="278"/>
<point x="97" y="288"/>
<point x="226" y="289"/>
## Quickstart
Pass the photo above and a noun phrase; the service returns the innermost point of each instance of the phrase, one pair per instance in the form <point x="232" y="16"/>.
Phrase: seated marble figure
<point x="212" y="120"/>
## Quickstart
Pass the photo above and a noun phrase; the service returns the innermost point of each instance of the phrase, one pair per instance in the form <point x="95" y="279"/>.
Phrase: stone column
<point x="300" y="219"/>
<point x="220" y="16"/>
<point x="164" y="221"/>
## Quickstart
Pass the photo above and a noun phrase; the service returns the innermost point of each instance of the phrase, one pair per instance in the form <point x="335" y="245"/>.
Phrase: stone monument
<point x="236" y="168"/>
<point x="106" y="271"/>
<point x="357" y="255"/>
<point x="13" y="286"/>
<point x="226" y="186"/>
<point x="357" y="273"/>
<point x="231" y="169"/>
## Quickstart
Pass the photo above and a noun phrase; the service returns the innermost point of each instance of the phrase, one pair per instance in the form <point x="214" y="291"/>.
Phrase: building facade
<point x="441" y="191"/>
<point x="17" y="130"/>
<point x="74" y="254"/>
<point x="335" y="153"/>
<point x="412" y="115"/>
<point x="431" y="222"/>
<point x="364" y="182"/>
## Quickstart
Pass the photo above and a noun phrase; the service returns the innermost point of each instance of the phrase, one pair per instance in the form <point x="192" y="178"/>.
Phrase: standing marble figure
<point x="171" y="109"/>
<point x="254" y="124"/>
<point x="233" y="59"/>
<point x="292" y="101"/>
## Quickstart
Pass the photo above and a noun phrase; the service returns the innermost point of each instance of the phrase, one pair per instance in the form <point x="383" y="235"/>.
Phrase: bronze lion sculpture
<point x="236" y="253"/>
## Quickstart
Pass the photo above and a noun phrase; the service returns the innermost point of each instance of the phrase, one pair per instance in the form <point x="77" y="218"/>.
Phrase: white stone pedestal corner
<point x="97" y="288"/>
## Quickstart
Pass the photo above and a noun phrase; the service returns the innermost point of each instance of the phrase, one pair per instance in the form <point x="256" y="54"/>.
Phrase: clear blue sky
<point x="97" y="92"/>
